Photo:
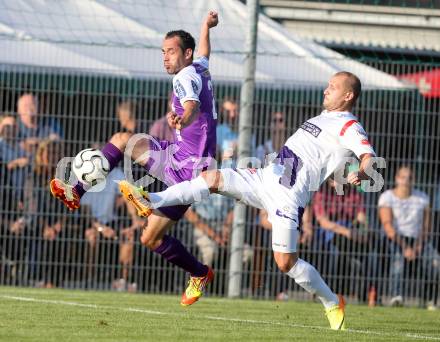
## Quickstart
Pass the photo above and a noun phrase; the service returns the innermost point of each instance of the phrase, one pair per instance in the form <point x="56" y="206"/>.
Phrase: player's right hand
<point x="173" y="119"/>
<point x="212" y="19"/>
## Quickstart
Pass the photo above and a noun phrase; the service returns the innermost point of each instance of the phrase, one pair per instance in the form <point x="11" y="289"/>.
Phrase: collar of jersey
<point x="335" y="113"/>
<point x="191" y="65"/>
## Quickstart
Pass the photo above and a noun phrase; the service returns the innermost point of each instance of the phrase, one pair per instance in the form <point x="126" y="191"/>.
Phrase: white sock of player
<point x="186" y="192"/>
<point x="308" y="278"/>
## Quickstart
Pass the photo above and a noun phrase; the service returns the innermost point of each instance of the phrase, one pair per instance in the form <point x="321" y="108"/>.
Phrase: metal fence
<point x="35" y="251"/>
<point x="43" y="245"/>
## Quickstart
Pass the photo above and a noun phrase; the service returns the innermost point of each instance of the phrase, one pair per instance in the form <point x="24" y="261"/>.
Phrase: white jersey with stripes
<point x="324" y="141"/>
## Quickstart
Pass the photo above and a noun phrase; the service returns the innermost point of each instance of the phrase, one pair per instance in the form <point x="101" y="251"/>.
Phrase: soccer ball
<point x="90" y="166"/>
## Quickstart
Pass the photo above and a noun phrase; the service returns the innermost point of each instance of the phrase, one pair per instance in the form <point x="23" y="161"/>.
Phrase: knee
<point x="285" y="266"/>
<point x="120" y="139"/>
<point x="150" y="242"/>
<point x="285" y="262"/>
<point x="212" y="178"/>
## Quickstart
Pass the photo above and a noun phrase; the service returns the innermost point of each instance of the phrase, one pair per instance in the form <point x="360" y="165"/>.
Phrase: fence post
<point x="244" y="146"/>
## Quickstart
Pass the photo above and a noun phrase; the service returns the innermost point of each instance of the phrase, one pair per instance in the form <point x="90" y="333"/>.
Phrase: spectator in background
<point x="212" y="220"/>
<point x="13" y="161"/>
<point x="161" y="128"/>
<point x="111" y="233"/>
<point x="32" y="128"/>
<point x="127" y="113"/>
<point x="405" y="217"/>
<point x="343" y="236"/>
<point x="10" y="151"/>
<point x="277" y="137"/>
<point x="44" y="217"/>
<point x="227" y="130"/>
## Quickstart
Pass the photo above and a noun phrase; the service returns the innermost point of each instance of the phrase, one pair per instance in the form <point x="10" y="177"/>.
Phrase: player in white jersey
<point x="284" y="187"/>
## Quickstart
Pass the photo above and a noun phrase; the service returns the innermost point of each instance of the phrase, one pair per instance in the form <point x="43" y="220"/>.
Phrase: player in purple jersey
<point x="194" y="121"/>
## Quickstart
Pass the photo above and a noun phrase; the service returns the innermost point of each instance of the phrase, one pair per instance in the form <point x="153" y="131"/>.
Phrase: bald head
<point x="342" y="92"/>
<point x="352" y="83"/>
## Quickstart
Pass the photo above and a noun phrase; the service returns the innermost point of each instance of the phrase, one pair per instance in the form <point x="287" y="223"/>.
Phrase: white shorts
<point x="261" y="188"/>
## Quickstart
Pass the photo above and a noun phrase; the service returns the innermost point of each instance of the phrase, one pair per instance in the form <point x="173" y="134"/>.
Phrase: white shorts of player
<point x="260" y="188"/>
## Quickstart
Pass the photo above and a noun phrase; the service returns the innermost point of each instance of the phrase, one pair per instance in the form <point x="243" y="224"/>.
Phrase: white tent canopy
<point x="124" y="37"/>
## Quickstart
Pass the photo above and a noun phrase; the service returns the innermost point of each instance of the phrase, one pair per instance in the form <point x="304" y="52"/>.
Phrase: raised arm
<point x="210" y="21"/>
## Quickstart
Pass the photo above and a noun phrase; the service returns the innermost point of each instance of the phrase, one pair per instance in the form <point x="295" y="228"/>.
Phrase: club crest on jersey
<point x="311" y="128"/>
<point x="180" y="91"/>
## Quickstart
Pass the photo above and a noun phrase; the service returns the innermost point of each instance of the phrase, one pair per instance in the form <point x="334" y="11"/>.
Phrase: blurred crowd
<point x="367" y="246"/>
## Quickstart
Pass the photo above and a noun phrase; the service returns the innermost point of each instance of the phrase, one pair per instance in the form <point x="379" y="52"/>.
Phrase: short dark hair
<point x="353" y="82"/>
<point x="186" y="40"/>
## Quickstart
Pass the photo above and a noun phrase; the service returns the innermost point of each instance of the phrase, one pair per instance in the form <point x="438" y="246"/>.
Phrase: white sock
<point x="308" y="278"/>
<point x="186" y="192"/>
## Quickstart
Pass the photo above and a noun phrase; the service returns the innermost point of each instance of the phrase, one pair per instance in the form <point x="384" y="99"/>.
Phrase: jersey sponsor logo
<point x="311" y="128"/>
<point x="194" y="86"/>
<point x="252" y="170"/>
<point x="180" y="91"/>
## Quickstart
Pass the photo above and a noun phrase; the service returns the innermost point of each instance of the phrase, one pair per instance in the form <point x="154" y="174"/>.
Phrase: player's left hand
<point x="353" y="178"/>
<point x="212" y="19"/>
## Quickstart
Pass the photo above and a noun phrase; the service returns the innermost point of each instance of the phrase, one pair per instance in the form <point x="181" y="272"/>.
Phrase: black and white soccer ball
<point x="90" y="166"/>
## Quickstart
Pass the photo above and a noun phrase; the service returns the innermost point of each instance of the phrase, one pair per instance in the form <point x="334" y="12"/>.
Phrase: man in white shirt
<point x="405" y="216"/>
<point x="284" y="187"/>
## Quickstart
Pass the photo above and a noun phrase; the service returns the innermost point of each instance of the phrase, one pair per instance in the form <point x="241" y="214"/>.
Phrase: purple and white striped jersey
<point x="194" y="83"/>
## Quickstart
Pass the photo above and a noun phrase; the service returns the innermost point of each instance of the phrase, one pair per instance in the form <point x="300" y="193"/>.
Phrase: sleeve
<point x="385" y="200"/>
<point x="187" y="86"/>
<point x="353" y="137"/>
<point x="203" y="61"/>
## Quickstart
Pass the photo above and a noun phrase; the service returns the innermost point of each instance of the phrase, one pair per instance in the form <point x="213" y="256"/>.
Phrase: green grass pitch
<point x="62" y="315"/>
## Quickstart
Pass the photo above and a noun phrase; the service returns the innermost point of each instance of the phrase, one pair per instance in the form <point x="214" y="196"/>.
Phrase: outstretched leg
<point x="187" y="192"/>
<point x="113" y="152"/>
